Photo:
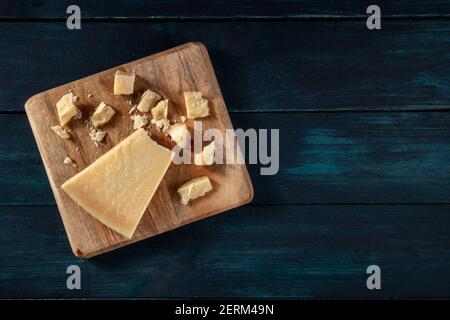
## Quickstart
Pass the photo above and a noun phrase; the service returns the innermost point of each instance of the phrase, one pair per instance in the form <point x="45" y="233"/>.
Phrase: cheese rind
<point x="102" y="115"/>
<point x="206" y="157"/>
<point x="117" y="188"/>
<point x="148" y="101"/>
<point x="161" y="110"/>
<point x="196" y="106"/>
<point x="66" y="109"/>
<point x="194" y="189"/>
<point x="124" y="82"/>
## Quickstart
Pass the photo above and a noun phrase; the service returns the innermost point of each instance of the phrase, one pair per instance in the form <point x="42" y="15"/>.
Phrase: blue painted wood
<point x="198" y="9"/>
<point x="324" y="158"/>
<point x="253" y="251"/>
<point x="331" y="65"/>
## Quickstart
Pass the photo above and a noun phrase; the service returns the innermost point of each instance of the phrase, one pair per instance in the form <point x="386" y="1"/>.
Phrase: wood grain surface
<point x="170" y="73"/>
<point x="368" y="184"/>
<point x="221" y="9"/>
<point x="332" y="66"/>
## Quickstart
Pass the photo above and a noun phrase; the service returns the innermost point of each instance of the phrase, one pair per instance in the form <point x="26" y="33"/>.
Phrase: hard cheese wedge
<point x="117" y="188"/>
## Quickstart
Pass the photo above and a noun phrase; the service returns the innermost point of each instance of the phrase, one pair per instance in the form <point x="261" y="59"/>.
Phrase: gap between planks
<point x="236" y="18"/>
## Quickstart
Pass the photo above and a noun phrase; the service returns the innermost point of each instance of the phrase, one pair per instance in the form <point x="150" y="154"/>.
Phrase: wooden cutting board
<point x="169" y="73"/>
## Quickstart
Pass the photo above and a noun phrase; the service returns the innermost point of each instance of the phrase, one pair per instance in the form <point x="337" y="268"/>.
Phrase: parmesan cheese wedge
<point x="117" y="188"/>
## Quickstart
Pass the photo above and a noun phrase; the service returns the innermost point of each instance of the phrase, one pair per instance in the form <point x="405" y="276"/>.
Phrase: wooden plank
<point x="330" y="65"/>
<point x="324" y="158"/>
<point x="169" y="73"/>
<point x="253" y="251"/>
<point x="244" y="9"/>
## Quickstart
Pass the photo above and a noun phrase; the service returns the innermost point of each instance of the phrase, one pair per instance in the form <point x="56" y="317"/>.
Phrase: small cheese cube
<point x="138" y="121"/>
<point x="148" y="101"/>
<point x="179" y="133"/>
<point x="102" y="115"/>
<point x="61" y="132"/>
<point x="124" y="82"/>
<point x="194" y="189"/>
<point x="66" y="109"/>
<point x="161" y="110"/>
<point x="196" y="106"/>
<point x="206" y="157"/>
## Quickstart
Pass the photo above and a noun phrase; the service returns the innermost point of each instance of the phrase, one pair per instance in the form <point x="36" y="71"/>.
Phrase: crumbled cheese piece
<point x="183" y="119"/>
<point x="61" y="132"/>
<point x="69" y="162"/>
<point x="66" y="109"/>
<point x="206" y="157"/>
<point x="129" y="102"/>
<point x="179" y="133"/>
<point x="124" y="82"/>
<point x="162" y="124"/>
<point x="196" y="106"/>
<point x="138" y="121"/>
<point x="194" y="189"/>
<point x="161" y="110"/>
<point x="75" y="98"/>
<point x="148" y="101"/>
<point x="97" y="135"/>
<point x="90" y="95"/>
<point x="102" y="115"/>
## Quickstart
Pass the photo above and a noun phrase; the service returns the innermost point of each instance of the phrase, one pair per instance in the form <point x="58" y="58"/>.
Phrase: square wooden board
<point x="169" y="73"/>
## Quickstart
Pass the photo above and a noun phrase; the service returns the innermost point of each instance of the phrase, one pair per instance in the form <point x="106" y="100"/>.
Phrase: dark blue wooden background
<point x="365" y="148"/>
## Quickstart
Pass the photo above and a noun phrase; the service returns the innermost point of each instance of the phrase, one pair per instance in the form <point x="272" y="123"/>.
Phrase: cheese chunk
<point x="102" y="115"/>
<point x="196" y="106"/>
<point x="148" y="101"/>
<point x="61" y="132"/>
<point x="117" y="188"/>
<point x="194" y="189"/>
<point x="206" y="157"/>
<point x="124" y="82"/>
<point x="161" y="110"/>
<point x="139" y="121"/>
<point x="179" y="133"/>
<point x="162" y="124"/>
<point x="67" y="109"/>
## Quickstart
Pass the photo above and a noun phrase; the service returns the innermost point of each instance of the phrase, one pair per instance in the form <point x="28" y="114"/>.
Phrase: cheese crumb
<point x="124" y="82"/>
<point x="148" y="101"/>
<point x="138" y="121"/>
<point x="66" y="109"/>
<point x="61" y="132"/>
<point x="183" y="119"/>
<point x="196" y="106"/>
<point x="161" y="110"/>
<point x="69" y="162"/>
<point x="97" y="135"/>
<point x="162" y="124"/>
<point x="133" y="109"/>
<point x="206" y="157"/>
<point x="179" y="133"/>
<point x="194" y="189"/>
<point x="90" y="95"/>
<point x="102" y="115"/>
<point x="75" y="98"/>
